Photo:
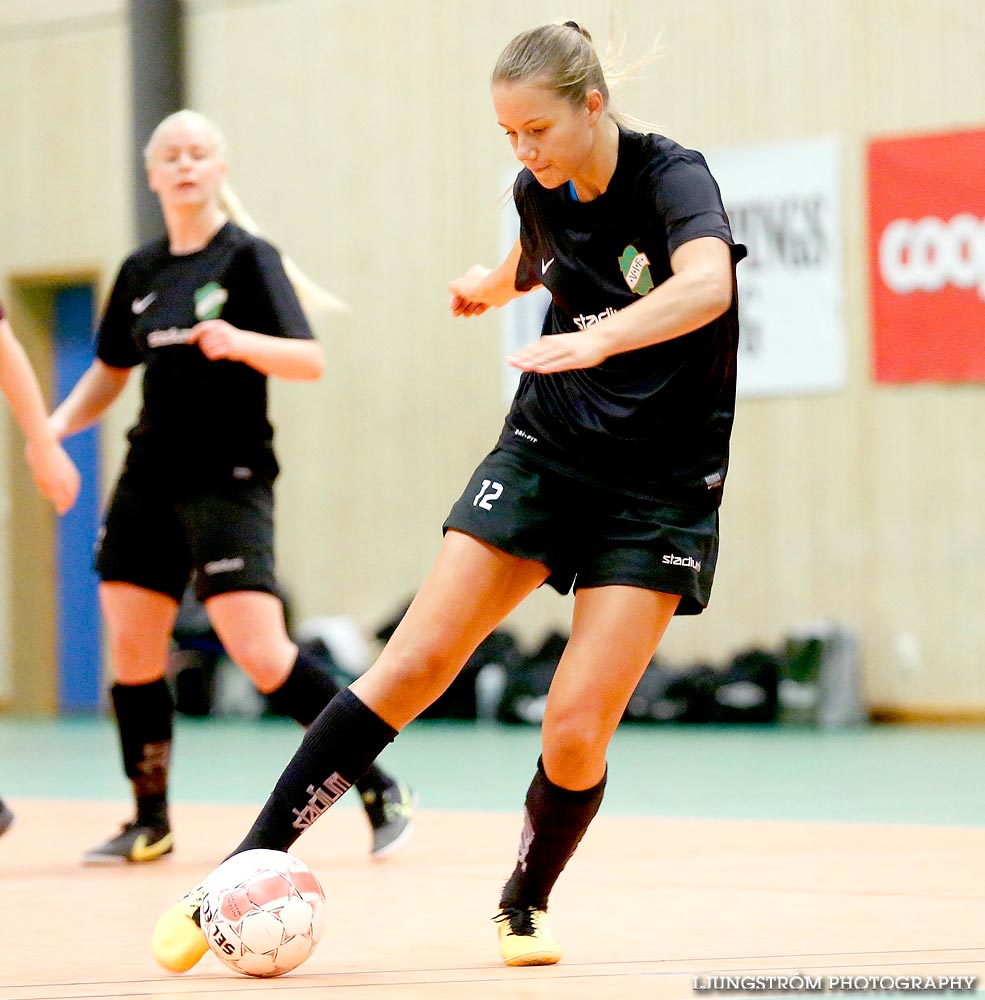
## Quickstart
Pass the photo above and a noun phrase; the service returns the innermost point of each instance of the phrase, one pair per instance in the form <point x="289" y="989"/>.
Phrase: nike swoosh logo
<point x="139" y="305"/>
<point x="545" y="265"/>
<point x="141" y="851"/>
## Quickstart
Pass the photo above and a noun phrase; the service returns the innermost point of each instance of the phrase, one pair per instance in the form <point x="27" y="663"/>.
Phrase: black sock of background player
<point x="554" y="821"/>
<point x="308" y="688"/>
<point x="144" y="716"/>
<point x="337" y="748"/>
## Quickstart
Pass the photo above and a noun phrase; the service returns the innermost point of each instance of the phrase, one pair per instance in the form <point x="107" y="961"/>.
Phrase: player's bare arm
<point x="53" y="471"/>
<point x="89" y="399"/>
<point x="283" y="357"/>
<point x="479" y="288"/>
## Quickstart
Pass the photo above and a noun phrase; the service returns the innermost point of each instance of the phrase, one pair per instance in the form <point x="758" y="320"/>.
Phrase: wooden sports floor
<point x="747" y="866"/>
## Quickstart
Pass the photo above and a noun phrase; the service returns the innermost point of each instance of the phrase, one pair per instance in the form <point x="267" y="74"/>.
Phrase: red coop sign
<point x="927" y="257"/>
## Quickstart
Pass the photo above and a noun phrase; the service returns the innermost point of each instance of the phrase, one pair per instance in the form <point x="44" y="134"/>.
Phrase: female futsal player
<point x="210" y="313"/>
<point x="607" y="477"/>
<point x="54" y="472"/>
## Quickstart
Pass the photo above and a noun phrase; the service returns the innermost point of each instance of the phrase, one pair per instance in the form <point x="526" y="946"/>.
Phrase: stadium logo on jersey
<point x="168" y="338"/>
<point x="209" y="300"/>
<point x="585" y="320"/>
<point x="635" y="267"/>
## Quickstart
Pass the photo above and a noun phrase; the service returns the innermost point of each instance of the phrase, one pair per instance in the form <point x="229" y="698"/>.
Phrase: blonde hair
<point x="313" y="298"/>
<point x="562" y="58"/>
<point x="188" y="117"/>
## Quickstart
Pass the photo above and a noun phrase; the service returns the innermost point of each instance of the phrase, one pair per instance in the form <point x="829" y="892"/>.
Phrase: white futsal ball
<point x="263" y="912"/>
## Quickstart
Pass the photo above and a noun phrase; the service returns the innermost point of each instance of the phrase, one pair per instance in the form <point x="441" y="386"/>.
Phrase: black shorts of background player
<point x="6" y="817"/>
<point x="54" y="472"/>
<point x="608" y="473"/>
<point x="210" y="313"/>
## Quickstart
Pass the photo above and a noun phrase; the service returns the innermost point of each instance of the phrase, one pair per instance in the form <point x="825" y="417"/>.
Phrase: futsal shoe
<point x="390" y="811"/>
<point x="178" y="941"/>
<point x="6" y="818"/>
<point x="136" y="843"/>
<point x="525" y="938"/>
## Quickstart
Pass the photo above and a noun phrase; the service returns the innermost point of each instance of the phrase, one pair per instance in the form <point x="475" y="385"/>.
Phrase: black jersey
<point x="200" y="418"/>
<point x="653" y="421"/>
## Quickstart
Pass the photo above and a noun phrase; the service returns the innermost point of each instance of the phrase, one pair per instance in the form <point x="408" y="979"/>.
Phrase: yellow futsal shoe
<point x="136" y="843"/>
<point x="178" y="941"/>
<point x="525" y="938"/>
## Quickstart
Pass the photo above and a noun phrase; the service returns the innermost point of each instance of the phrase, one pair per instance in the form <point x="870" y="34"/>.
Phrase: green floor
<point x="880" y="774"/>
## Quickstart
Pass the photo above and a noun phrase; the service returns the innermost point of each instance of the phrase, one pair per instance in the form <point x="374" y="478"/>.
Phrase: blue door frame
<point x="78" y="625"/>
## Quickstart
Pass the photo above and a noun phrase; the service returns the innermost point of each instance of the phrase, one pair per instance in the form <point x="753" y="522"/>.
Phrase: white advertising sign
<point x="784" y="203"/>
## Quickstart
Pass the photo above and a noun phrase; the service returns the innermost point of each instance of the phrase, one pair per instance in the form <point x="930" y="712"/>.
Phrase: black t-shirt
<point x="654" y="421"/>
<point x="200" y="419"/>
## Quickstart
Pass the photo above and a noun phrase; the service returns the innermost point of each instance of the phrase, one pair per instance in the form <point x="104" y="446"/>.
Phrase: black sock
<point x="336" y="750"/>
<point x="144" y="715"/>
<point x="374" y="780"/>
<point x="555" y="819"/>
<point x="309" y="687"/>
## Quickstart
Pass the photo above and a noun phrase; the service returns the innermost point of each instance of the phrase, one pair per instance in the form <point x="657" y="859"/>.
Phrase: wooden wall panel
<point x="64" y="209"/>
<point x="365" y="144"/>
<point x="363" y="140"/>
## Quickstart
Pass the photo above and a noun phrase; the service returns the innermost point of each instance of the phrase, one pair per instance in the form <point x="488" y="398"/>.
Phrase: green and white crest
<point x="635" y="267"/>
<point x="209" y="300"/>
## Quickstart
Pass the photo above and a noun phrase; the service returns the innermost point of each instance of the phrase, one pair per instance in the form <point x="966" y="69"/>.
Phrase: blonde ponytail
<point x="314" y="299"/>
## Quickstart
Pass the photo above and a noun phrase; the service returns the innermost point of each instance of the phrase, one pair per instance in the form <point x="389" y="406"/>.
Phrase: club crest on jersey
<point x="209" y="300"/>
<point x="635" y="267"/>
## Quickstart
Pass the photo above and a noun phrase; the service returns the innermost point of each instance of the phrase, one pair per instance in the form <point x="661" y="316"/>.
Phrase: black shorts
<point x="224" y="535"/>
<point x="588" y="535"/>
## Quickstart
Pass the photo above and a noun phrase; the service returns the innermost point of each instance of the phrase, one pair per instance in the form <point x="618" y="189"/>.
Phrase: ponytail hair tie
<point x="581" y="31"/>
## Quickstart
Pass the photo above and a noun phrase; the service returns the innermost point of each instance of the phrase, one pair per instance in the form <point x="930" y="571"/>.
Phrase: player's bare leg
<point x="139" y="624"/>
<point x="615" y="632"/>
<point x="470" y="589"/>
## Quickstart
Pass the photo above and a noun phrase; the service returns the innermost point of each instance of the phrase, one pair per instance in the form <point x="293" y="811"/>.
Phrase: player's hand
<point x="560" y="352"/>
<point x="54" y="473"/>
<point x="56" y="425"/>
<point x="219" y="340"/>
<point x="466" y="292"/>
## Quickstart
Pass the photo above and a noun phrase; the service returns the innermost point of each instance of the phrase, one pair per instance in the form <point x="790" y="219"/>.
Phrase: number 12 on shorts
<point x="484" y="499"/>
